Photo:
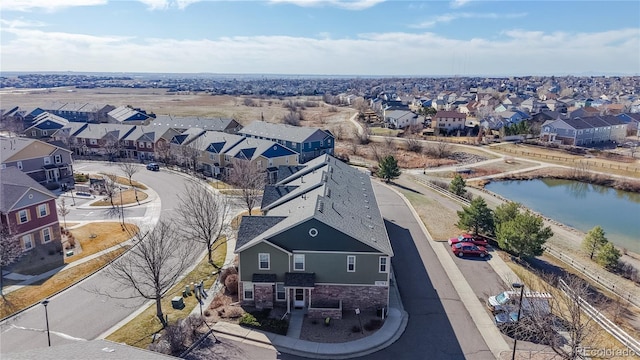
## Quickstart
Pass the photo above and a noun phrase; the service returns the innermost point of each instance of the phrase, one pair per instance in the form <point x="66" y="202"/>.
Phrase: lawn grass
<point x="128" y="197"/>
<point x="125" y="181"/>
<point x="32" y="294"/>
<point x="98" y="236"/>
<point x="439" y="220"/>
<point x="139" y="331"/>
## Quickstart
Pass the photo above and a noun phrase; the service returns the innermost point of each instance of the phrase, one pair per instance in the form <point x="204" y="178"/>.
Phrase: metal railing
<point x="608" y="325"/>
<point x="633" y="298"/>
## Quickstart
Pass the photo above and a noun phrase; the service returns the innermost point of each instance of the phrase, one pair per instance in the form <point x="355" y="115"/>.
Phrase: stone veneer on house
<point x="362" y="297"/>
<point x="263" y="296"/>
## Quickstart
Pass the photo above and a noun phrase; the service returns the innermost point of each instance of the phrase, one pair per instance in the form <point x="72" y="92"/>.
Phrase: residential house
<point x="449" y="120"/>
<point x="265" y="155"/>
<point x="129" y="116"/>
<point x="469" y="108"/>
<point x="81" y="112"/>
<point x="45" y="125"/>
<point x="513" y="117"/>
<point x="584" y="131"/>
<point x="99" y="139"/>
<point x="583" y="111"/>
<point x="308" y="142"/>
<point x="632" y="120"/>
<point x="28" y="210"/>
<point x="321" y="243"/>
<point x="229" y="126"/>
<point x="43" y="162"/>
<point x="400" y="119"/>
<point x="211" y="145"/>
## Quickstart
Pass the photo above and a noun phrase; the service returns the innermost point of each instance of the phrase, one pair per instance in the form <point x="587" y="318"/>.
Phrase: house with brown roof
<point x="449" y="120"/>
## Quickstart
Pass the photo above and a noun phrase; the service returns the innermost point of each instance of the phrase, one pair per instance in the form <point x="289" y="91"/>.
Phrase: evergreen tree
<point x="608" y="256"/>
<point x="457" y="185"/>
<point x="388" y="168"/>
<point x="477" y="217"/>
<point x="594" y="241"/>
<point x="524" y="235"/>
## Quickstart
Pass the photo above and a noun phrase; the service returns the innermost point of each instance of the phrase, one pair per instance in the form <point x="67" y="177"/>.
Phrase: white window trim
<point x="284" y="292"/>
<point x="93" y="142"/>
<point x="46" y="210"/>
<point x="386" y="264"/>
<point x="247" y="285"/>
<point x="303" y="262"/>
<point x="48" y="231"/>
<point x="268" y="261"/>
<point x="19" y="165"/>
<point x="57" y="159"/>
<point x="24" y="242"/>
<point x="349" y="257"/>
<point x="26" y="212"/>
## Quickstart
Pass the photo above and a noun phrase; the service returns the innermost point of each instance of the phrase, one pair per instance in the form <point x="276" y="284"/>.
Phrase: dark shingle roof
<point x="286" y="171"/>
<point x="274" y="192"/>
<point x="299" y="279"/>
<point x="252" y="226"/>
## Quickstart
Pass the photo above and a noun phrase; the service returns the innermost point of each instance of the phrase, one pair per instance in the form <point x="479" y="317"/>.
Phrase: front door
<point x="298" y="298"/>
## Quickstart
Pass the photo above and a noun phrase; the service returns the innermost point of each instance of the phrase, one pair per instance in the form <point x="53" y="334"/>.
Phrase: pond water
<point x="579" y="205"/>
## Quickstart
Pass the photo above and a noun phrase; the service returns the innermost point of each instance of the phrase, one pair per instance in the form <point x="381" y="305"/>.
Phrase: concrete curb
<point x="489" y="332"/>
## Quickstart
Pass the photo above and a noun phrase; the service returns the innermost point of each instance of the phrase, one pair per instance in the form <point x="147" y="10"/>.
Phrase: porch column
<point x="309" y="306"/>
<point x="288" y="299"/>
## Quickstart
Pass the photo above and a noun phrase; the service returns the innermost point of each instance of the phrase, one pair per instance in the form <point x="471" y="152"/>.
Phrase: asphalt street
<point x="81" y="313"/>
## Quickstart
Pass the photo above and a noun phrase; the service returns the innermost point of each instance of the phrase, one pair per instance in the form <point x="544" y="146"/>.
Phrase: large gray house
<point x="584" y="131"/>
<point x="321" y="243"/>
<point x="309" y="142"/>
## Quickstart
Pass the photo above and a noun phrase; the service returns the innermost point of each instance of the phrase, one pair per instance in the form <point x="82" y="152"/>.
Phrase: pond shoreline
<point x="624" y="184"/>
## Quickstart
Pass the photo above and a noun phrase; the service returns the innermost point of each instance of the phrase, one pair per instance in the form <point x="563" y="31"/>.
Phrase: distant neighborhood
<point x="42" y="141"/>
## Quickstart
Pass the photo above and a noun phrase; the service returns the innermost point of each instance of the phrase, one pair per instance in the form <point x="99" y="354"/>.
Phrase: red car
<point x="462" y="249"/>
<point x="474" y="239"/>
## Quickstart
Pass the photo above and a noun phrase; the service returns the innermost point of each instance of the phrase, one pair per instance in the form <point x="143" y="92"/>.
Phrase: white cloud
<point x="449" y="17"/>
<point x="459" y="3"/>
<point x="49" y="5"/>
<point x="515" y="52"/>
<point x="168" y="4"/>
<point x="344" y="4"/>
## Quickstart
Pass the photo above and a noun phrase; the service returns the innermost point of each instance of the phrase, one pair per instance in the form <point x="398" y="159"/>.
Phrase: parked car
<point x="462" y="249"/>
<point x="507" y="301"/>
<point x="153" y="167"/>
<point x="475" y="239"/>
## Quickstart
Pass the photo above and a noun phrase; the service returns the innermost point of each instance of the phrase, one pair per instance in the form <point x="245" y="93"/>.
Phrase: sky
<point x="330" y="37"/>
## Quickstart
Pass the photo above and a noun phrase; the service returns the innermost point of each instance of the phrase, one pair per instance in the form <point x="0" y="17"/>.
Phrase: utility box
<point x="177" y="303"/>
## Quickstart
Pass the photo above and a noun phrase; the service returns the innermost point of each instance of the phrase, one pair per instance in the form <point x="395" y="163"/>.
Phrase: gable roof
<point x="267" y="130"/>
<point x="331" y="192"/>
<point x="14" y="184"/>
<point x="251" y="148"/>
<point x="127" y="113"/>
<point x="215" y="124"/>
<point x="18" y="148"/>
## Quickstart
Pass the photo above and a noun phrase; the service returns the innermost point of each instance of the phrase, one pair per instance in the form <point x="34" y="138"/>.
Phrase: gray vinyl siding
<point x="332" y="268"/>
<point x="279" y="261"/>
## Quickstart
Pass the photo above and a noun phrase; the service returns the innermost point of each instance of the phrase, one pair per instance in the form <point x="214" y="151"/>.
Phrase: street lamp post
<point x="515" y="335"/>
<point x="45" y="302"/>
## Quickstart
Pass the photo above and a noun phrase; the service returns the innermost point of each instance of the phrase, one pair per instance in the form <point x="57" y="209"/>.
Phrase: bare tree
<point x="10" y="250"/>
<point x="163" y="152"/>
<point x="63" y="210"/>
<point x="111" y="187"/>
<point x="414" y="144"/>
<point x="338" y="132"/>
<point x="203" y="215"/>
<point x="129" y="169"/>
<point x="154" y="265"/>
<point x="249" y="179"/>
<point x="566" y="317"/>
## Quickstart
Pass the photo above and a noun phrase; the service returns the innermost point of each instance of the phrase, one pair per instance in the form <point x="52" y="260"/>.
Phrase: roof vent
<point x="320" y="206"/>
<point x="328" y="192"/>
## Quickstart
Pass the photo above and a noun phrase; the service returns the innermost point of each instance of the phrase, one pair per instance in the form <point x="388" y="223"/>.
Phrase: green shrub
<point x="249" y="320"/>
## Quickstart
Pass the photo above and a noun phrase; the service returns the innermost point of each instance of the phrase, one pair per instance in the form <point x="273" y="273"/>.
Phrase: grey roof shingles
<point x="252" y="226"/>
<point x="334" y="193"/>
<point x="279" y="131"/>
<point x="14" y="184"/>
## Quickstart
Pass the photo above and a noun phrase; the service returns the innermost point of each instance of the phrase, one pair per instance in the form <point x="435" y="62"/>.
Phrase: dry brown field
<point x="161" y="102"/>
